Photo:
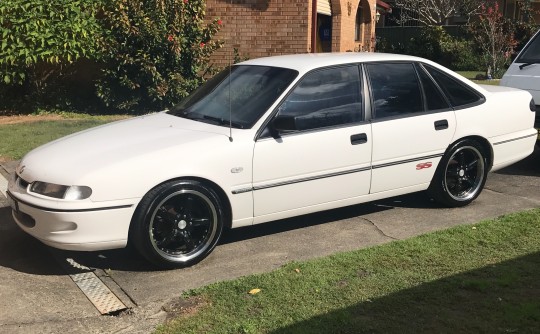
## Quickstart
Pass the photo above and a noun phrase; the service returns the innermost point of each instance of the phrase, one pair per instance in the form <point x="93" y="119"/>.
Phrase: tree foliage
<point x="39" y="38"/>
<point x="158" y="52"/>
<point x="435" y="12"/>
<point x="455" y="51"/>
<point x="494" y="36"/>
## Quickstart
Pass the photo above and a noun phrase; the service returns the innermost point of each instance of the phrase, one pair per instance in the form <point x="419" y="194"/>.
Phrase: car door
<point x="412" y="125"/>
<point x="320" y="152"/>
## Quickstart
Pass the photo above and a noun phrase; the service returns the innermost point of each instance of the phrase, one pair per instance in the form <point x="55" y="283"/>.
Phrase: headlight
<point x="59" y="191"/>
<point x="77" y="192"/>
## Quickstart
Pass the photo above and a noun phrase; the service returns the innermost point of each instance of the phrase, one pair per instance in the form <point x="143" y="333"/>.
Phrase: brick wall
<point x="344" y="23"/>
<point x="259" y="28"/>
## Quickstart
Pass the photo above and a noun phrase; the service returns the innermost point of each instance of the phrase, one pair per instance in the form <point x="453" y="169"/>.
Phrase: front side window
<point x="239" y="95"/>
<point x="395" y="89"/>
<point x="325" y="98"/>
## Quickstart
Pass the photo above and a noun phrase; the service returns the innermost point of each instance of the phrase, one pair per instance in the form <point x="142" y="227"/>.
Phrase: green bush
<point x="158" y="52"/>
<point x="41" y="38"/>
<point x="436" y="44"/>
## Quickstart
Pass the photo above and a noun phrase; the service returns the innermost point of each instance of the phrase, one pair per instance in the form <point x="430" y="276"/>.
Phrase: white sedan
<point x="268" y="139"/>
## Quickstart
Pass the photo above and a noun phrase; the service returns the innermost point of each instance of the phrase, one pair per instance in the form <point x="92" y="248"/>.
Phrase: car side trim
<point x="514" y="139"/>
<point x="71" y="210"/>
<point x="300" y="180"/>
<point x="324" y="176"/>
<point x="241" y="191"/>
<point x="407" y="161"/>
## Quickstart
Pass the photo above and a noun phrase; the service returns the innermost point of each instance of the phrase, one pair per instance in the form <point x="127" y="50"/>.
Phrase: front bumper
<point x="71" y="229"/>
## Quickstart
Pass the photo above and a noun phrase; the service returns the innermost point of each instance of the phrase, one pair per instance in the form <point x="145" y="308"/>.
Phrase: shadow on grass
<point x="501" y="298"/>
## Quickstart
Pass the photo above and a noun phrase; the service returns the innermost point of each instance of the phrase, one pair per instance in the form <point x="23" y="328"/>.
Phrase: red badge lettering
<point x="423" y="165"/>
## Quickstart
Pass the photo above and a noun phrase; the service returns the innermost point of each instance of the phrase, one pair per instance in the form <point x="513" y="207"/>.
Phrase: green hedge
<point x="131" y="55"/>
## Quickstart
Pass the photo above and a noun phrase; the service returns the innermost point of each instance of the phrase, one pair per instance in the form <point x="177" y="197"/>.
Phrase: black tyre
<point x="178" y="223"/>
<point x="461" y="174"/>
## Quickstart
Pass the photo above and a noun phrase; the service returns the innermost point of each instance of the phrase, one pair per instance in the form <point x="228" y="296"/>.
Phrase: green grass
<point x="18" y="139"/>
<point x="481" y="278"/>
<point x="471" y="75"/>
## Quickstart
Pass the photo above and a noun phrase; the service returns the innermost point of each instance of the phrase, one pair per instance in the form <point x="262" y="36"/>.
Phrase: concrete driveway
<point x="38" y="284"/>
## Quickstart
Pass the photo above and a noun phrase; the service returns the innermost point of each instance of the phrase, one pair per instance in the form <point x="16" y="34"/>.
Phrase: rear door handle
<point x="441" y="125"/>
<point x="360" y="138"/>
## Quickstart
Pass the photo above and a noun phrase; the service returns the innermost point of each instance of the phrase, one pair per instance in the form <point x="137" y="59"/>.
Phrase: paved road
<point x="37" y="294"/>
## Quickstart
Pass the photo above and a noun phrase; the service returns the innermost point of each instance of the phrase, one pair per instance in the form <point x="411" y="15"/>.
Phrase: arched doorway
<point x="363" y="28"/>
<point x="324" y="26"/>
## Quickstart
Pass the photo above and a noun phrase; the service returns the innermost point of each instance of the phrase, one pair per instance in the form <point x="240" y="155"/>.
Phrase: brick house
<point x="258" y="28"/>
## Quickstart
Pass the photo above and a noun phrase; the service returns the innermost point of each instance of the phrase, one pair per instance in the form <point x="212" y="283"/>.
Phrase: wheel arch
<point x="486" y="146"/>
<point x="219" y="191"/>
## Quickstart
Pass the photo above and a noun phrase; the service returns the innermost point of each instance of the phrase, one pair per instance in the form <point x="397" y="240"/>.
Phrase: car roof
<point x="309" y="61"/>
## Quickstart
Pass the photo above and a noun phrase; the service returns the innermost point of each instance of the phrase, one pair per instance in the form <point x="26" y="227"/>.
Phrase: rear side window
<point x="531" y="53"/>
<point x="435" y="100"/>
<point x="458" y="93"/>
<point x="395" y="88"/>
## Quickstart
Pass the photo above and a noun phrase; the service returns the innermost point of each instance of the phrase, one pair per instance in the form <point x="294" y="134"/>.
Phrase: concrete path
<point x="38" y="296"/>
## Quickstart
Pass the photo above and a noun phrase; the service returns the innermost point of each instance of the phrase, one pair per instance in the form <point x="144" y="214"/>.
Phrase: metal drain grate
<point x="98" y="293"/>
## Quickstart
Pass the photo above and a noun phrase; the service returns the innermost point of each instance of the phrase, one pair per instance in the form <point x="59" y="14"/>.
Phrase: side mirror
<point x="284" y="123"/>
<point x="281" y="124"/>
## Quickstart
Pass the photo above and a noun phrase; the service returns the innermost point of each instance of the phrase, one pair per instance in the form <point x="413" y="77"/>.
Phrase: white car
<point x="268" y="139"/>
<point x="524" y="72"/>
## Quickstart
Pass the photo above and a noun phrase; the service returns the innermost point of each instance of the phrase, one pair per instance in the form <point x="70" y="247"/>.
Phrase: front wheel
<point x="178" y="223"/>
<point x="461" y="175"/>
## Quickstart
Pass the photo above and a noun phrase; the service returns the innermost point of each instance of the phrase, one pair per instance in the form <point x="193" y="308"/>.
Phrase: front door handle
<point x="360" y="138"/>
<point x="441" y="125"/>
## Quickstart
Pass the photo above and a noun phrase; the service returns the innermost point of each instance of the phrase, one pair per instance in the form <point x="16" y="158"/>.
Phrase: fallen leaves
<point x="254" y="291"/>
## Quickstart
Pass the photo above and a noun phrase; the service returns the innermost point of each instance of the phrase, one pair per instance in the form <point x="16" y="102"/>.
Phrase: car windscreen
<point x="237" y="96"/>
<point x="531" y="53"/>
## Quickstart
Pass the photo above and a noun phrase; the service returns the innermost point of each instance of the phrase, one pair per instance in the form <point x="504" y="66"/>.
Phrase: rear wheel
<point x="461" y="174"/>
<point x="178" y="223"/>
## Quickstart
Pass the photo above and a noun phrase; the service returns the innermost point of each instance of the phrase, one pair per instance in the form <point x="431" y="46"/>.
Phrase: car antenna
<point x="230" y="103"/>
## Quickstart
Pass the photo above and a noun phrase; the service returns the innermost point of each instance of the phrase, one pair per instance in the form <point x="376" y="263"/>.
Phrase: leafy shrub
<point x="158" y="52"/>
<point x="435" y="43"/>
<point x="40" y="38"/>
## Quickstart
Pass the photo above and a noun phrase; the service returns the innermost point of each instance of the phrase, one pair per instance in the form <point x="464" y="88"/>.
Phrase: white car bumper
<point x="79" y="230"/>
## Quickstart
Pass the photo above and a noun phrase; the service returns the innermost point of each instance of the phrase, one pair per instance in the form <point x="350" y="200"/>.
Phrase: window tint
<point x="239" y="95"/>
<point x="325" y="98"/>
<point x="395" y="88"/>
<point x="432" y="94"/>
<point x="458" y="93"/>
<point x="531" y="54"/>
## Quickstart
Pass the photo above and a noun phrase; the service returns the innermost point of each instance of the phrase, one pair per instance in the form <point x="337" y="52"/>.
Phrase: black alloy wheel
<point x="461" y="174"/>
<point x="178" y="223"/>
